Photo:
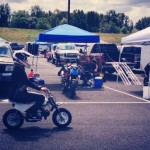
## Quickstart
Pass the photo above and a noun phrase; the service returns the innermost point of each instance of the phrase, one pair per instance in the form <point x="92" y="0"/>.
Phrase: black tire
<point x="13" y="119"/>
<point x="64" y="120"/>
<point x="72" y="93"/>
<point x="73" y="90"/>
<point x="65" y="88"/>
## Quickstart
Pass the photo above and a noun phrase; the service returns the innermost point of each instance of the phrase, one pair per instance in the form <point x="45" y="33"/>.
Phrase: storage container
<point x="98" y="82"/>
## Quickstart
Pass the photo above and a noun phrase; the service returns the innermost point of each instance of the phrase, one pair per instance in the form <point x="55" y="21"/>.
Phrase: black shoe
<point x="45" y="114"/>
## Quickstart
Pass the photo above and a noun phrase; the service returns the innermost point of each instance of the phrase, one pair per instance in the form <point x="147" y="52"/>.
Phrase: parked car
<point x="16" y="46"/>
<point x="140" y="57"/>
<point x="131" y="54"/>
<point x="6" y="64"/>
<point x="104" y="54"/>
<point x="64" y="51"/>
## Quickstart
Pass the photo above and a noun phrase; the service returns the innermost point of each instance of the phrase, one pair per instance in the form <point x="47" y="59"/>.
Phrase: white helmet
<point x="21" y="57"/>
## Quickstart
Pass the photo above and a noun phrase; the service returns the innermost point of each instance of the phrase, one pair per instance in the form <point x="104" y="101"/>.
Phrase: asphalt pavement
<point x="110" y="118"/>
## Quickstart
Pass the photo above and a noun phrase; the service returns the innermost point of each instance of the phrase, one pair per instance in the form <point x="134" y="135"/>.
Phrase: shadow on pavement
<point x="33" y="133"/>
<point x="54" y="86"/>
<point x="137" y="93"/>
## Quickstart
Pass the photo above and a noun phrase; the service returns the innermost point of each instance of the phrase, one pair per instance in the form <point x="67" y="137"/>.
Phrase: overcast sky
<point x="135" y="9"/>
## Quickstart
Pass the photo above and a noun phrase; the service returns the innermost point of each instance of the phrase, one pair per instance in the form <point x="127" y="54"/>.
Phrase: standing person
<point x="19" y="82"/>
<point x="57" y="56"/>
<point x="54" y="54"/>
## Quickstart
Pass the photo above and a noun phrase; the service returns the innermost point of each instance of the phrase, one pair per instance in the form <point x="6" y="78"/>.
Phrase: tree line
<point x="111" y="22"/>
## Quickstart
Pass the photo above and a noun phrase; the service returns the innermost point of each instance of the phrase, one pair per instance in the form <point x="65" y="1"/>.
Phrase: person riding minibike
<point x="18" y="91"/>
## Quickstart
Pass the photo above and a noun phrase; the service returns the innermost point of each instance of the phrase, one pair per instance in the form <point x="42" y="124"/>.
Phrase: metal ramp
<point x="125" y="73"/>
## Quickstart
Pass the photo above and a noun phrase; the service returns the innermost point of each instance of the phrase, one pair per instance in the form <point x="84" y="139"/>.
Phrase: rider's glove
<point x="44" y="89"/>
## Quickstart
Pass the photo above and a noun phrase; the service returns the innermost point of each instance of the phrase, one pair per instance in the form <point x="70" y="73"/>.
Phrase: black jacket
<point x="20" y="81"/>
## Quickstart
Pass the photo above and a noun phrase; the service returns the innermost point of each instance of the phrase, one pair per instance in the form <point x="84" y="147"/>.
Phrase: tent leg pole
<point x="36" y="64"/>
<point x="119" y="63"/>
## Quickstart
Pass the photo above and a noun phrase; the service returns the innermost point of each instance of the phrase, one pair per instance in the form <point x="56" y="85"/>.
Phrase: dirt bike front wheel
<point x="62" y="117"/>
<point x="13" y="119"/>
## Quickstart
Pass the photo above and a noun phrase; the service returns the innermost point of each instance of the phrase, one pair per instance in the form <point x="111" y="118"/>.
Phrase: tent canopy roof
<point x="140" y="37"/>
<point x="67" y="33"/>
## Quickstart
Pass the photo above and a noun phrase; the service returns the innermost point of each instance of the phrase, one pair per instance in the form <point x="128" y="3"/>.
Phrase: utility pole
<point x="68" y="11"/>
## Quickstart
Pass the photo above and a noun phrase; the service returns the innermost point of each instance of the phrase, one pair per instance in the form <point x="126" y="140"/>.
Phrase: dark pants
<point x="28" y="97"/>
<point x="38" y="99"/>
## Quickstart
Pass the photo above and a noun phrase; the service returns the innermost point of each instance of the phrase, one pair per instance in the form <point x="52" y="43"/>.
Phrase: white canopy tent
<point x="141" y="37"/>
<point x="3" y="41"/>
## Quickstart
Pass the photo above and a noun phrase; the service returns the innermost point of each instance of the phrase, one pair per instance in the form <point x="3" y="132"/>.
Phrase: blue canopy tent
<point x="67" y="33"/>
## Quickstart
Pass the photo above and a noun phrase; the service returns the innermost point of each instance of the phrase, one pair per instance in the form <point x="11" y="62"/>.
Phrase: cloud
<point x="135" y="9"/>
<point x="138" y="2"/>
<point x="14" y="1"/>
<point x="136" y="13"/>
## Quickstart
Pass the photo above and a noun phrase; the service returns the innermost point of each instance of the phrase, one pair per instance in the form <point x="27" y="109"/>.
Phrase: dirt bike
<point x="69" y="79"/>
<point x="14" y="118"/>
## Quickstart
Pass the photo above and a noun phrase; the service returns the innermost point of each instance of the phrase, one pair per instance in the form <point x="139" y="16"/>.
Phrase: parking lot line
<point x="86" y="102"/>
<point x="76" y="102"/>
<point x="127" y="94"/>
<point x="5" y="101"/>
